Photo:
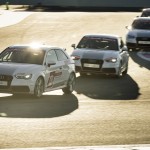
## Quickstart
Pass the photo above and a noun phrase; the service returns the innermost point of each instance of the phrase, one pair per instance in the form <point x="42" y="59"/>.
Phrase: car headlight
<point x="23" y="76"/>
<point x="131" y="36"/>
<point x="111" y="59"/>
<point x="75" y="57"/>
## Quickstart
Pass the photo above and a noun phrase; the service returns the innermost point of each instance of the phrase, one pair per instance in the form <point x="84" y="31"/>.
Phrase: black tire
<point x="39" y="88"/>
<point x="70" y="85"/>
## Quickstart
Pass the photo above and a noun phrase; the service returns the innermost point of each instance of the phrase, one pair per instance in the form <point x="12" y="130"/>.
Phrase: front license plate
<point x="3" y="83"/>
<point x="91" y="65"/>
<point x="144" y="42"/>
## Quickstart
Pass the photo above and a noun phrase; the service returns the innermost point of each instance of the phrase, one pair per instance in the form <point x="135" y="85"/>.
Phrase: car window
<point x="5" y="56"/>
<point x="145" y="14"/>
<point x="51" y="56"/>
<point x="141" y="24"/>
<point x="100" y="43"/>
<point x="61" y="55"/>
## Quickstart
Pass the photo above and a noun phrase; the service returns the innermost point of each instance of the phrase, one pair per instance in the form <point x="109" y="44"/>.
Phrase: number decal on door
<point x="52" y="77"/>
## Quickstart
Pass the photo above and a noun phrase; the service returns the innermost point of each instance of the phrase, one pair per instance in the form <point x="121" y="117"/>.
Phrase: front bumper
<point x="138" y="42"/>
<point x="14" y="85"/>
<point x="94" y="66"/>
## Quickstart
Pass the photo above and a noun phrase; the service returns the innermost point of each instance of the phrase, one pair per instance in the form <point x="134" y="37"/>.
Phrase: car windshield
<point x="23" y="55"/>
<point x="141" y="24"/>
<point x="145" y="14"/>
<point x="99" y="43"/>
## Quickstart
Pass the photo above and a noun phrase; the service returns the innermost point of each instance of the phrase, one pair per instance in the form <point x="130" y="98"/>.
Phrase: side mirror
<point x="50" y="63"/>
<point x="73" y="45"/>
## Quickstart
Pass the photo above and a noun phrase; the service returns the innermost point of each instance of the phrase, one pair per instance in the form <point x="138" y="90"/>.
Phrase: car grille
<point x="93" y="62"/>
<point x="6" y="78"/>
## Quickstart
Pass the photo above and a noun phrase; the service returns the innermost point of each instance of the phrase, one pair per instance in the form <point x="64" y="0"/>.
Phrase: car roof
<point x="102" y="35"/>
<point x="43" y="47"/>
<point x="142" y="18"/>
<point x="146" y="9"/>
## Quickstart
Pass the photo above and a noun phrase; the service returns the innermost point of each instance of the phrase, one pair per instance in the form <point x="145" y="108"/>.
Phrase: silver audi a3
<point x="34" y="69"/>
<point x="101" y="54"/>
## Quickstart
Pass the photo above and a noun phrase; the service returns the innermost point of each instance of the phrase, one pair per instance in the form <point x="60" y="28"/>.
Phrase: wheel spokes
<point x="39" y="88"/>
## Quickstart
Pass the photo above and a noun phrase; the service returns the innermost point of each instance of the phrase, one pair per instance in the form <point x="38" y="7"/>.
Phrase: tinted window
<point x="141" y="24"/>
<point x="100" y="43"/>
<point x="61" y="55"/>
<point x="145" y="14"/>
<point x="51" y="56"/>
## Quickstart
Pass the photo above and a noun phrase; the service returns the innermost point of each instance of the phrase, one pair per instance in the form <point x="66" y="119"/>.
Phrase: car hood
<point x="140" y="33"/>
<point x="13" y="68"/>
<point x="95" y="54"/>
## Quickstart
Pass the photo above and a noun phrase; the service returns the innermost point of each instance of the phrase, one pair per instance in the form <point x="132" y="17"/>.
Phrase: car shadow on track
<point x="48" y="106"/>
<point x="108" y="88"/>
<point x="140" y="61"/>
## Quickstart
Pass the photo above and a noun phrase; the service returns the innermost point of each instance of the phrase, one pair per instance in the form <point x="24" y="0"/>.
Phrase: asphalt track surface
<point x="5" y="16"/>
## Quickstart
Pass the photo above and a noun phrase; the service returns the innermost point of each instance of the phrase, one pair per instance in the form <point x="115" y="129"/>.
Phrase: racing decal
<point x="52" y="77"/>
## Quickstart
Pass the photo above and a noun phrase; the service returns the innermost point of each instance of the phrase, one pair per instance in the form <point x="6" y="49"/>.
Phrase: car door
<point x="53" y="73"/>
<point x="64" y="61"/>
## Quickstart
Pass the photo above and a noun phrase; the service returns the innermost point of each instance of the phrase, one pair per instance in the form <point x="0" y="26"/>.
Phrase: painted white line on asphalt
<point x="110" y="147"/>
